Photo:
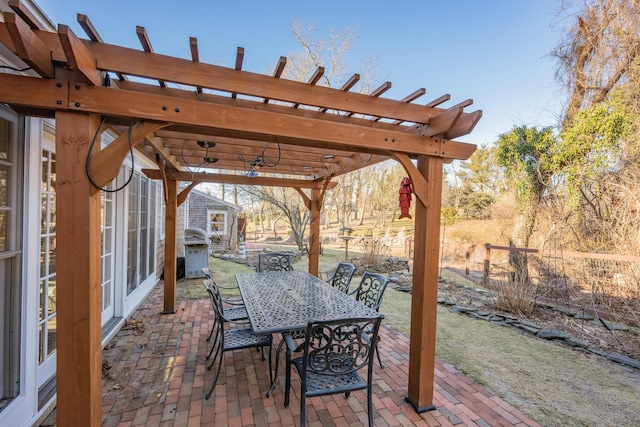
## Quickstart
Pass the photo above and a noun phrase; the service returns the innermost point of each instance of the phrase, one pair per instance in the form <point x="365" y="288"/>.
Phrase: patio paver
<point x="156" y="376"/>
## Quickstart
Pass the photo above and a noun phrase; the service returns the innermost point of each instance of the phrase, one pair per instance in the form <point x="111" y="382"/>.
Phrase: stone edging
<point x="541" y="332"/>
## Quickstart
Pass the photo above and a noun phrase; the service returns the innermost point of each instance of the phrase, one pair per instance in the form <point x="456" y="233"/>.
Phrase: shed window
<point x="217" y="223"/>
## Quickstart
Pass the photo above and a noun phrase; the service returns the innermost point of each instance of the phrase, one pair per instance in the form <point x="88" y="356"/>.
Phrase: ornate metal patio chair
<point x="231" y="339"/>
<point x="274" y="261"/>
<point x="236" y="314"/>
<point x="341" y="278"/>
<point x="369" y="292"/>
<point x="234" y="301"/>
<point x="333" y="353"/>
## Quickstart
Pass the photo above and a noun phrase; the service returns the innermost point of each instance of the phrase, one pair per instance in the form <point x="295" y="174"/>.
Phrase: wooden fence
<point x="602" y="282"/>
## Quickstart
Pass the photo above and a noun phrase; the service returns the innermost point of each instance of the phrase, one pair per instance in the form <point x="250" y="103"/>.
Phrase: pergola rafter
<point x="224" y="121"/>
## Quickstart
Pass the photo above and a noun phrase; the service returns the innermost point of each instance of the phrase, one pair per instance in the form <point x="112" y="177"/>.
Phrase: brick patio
<point x="157" y="377"/>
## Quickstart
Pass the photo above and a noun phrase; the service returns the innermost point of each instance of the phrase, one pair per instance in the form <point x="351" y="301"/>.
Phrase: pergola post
<point x="314" y="231"/>
<point x="170" y="245"/>
<point x="424" y="294"/>
<point x="79" y="335"/>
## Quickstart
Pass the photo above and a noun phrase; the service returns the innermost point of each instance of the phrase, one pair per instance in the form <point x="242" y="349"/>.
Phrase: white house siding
<point x="36" y="391"/>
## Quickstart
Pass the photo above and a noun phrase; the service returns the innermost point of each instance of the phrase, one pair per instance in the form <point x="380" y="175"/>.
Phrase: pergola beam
<point x="195" y="55"/>
<point x="238" y="67"/>
<point x="18" y="7"/>
<point x="91" y="32"/>
<point x="244" y="103"/>
<point x="465" y="125"/>
<point x="235" y="179"/>
<point x="28" y="46"/>
<point x="145" y="41"/>
<point x="79" y="58"/>
<point x="164" y="152"/>
<point x="133" y="62"/>
<point x="277" y="72"/>
<point x="253" y="124"/>
<point x="215" y="77"/>
<point x="317" y="75"/>
<point x="347" y="86"/>
<point x="443" y="122"/>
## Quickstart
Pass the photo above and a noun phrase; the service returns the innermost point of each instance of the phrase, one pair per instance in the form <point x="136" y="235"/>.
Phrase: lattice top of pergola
<point x="226" y="121"/>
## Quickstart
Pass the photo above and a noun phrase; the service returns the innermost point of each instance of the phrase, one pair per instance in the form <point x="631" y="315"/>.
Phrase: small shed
<point x="217" y="217"/>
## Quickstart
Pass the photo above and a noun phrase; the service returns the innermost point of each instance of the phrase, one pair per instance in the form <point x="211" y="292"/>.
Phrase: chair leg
<point x="303" y="407"/>
<point x="213" y="345"/>
<point x="215" y="380"/>
<point x="369" y="407"/>
<point x="218" y="351"/>
<point x="379" y="357"/>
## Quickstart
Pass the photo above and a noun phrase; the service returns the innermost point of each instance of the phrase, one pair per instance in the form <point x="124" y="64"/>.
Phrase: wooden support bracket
<point x="305" y="198"/>
<point x="105" y="164"/>
<point x="327" y="183"/>
<point x="185" y="192"/>
<point x="164" y="178"/>
<point x="418" y="181"/>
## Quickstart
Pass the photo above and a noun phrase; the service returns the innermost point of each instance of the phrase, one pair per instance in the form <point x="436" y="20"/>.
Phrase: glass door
<point x="108" y="243"/>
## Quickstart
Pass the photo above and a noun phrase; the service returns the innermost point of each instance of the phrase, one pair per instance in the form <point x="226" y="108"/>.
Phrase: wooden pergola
<point x="206" y="123"/>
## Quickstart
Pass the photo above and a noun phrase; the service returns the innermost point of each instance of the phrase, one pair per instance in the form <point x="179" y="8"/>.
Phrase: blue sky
<point x="495" y="52"/>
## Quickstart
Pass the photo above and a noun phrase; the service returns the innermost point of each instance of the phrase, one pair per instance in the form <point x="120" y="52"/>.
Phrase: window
<point x="132" y="235"/>
<point x="107" y="257"/>
<point x="47" y="312"/>
<point x="217" y="223"/>
<point x="10" y="258"/>
<point x="141" y="239"/>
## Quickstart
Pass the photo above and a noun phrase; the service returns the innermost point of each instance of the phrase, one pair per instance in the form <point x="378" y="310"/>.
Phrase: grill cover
<point x="195" y="236"/>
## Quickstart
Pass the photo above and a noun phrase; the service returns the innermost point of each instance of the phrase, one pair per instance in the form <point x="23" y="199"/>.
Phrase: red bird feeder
<point x="405" y="197"/>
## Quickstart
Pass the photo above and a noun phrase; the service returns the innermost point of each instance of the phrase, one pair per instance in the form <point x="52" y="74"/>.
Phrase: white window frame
<point x="11" y="349"/>
<point x="145" y="229"/>
<point x="210" y="230"/>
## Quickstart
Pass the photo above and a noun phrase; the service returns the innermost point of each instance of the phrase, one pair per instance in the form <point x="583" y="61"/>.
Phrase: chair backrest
<point x="341" y="279"/>
<point x="215" y="297"/>
<point x="274" y="261"/>
<point x="338" y="347"/>
<point x="207" y="273"/>
<point x="371" y="289"/>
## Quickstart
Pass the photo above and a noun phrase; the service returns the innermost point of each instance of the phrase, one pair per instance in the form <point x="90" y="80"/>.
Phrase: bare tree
<point x="599" y="64"/>
<point x="331" y="53"/>
<point x="598" y="51"/>
<point x="290" y="209"/>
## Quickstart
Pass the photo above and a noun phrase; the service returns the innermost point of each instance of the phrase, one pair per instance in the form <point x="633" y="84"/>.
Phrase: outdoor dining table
<point x="283" y="301"/>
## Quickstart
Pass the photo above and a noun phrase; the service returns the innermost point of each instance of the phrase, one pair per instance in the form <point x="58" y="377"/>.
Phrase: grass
<point x="552" y="384"/>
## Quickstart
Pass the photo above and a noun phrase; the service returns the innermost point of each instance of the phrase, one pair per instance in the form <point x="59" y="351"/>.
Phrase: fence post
<point x="408" y="247"/>
<point x="467" y="260"/>
<point x="487" y="264"/>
